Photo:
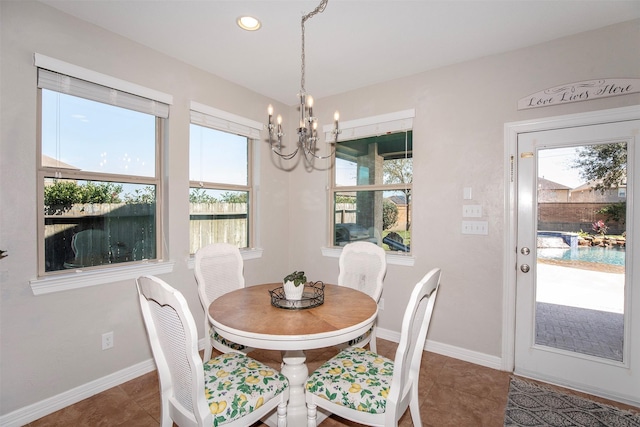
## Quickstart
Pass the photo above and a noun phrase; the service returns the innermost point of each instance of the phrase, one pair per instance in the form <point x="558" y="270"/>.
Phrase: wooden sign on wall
<point x="580" y="91"/>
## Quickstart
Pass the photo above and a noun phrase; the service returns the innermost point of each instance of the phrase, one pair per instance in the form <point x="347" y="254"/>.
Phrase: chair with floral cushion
<point x="231" y="389"/>
<point x="370" y="389"/>
<point x="218" y="270"/>
<point x="362" y="267"/>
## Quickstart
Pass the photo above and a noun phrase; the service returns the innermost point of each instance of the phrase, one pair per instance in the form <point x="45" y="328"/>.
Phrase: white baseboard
<point x="459" y="353"/>
<point x="48" y="406"/>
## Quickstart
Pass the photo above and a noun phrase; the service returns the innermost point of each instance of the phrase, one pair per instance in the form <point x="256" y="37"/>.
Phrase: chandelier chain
<point x="307" y="130"/>
<point x="319" y="9"/>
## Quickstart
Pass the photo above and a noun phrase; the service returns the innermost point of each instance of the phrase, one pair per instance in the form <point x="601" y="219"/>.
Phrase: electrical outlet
<point x="107" y="340"/>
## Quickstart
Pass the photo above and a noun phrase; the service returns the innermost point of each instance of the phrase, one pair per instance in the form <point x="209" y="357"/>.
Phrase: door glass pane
<point x="581" y="249"/>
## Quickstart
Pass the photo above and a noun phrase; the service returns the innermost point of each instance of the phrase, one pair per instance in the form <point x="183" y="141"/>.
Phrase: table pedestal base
<point x="294" y="367"/>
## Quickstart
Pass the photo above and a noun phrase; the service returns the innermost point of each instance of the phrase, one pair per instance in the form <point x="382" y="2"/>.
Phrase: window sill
<point x="253" y="253"/>
<point x="393" y="258"/>
<point x="82" y="279"/>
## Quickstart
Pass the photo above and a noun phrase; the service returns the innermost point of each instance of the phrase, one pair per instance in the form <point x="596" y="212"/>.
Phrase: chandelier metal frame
<point x="307" y="131"/>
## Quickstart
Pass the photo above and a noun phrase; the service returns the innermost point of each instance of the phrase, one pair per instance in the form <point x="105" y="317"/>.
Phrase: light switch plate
<point x="475" y="227"/>
<point x="466" y="193"/>
<point x="472" y="211"/>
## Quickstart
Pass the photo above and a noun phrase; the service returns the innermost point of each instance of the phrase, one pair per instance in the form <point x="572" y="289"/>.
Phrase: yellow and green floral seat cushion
<point x="222" y="340"/>
<point x="236" y="385"/>
<point x="356" y="378"/>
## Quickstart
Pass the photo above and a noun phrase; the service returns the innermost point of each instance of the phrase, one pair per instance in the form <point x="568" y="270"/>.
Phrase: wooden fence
<point x="218" y="222"/>
<point x="129" y="229"/>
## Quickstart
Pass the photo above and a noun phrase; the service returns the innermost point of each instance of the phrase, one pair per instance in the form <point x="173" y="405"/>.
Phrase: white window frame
<point x="399" y="121"/>
<point x="159" y="103"/>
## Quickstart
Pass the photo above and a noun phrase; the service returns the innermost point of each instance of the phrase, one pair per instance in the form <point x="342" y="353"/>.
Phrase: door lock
<point x="525" y="268"/>
<point x="525" y="251"/>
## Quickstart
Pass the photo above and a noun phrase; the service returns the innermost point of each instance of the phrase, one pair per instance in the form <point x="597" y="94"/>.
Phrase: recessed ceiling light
<point x="248" y="23"/>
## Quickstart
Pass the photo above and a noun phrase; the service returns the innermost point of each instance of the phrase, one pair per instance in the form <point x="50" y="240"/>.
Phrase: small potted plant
<point x="294" y="285"/>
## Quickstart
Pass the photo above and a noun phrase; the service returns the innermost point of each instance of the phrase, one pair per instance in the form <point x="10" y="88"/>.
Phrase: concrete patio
<point x="580" y="310"/>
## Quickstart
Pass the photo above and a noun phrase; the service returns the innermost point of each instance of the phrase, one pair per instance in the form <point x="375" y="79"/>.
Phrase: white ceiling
<point x="353" y="43"/>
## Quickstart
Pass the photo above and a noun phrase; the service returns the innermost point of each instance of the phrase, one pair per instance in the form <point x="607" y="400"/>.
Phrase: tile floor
<point x="452" y="393"/>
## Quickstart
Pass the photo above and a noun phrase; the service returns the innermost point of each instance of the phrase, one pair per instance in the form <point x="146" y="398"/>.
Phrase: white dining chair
<point x="363" y="266"/>
<point x="370" y="389"/>
<point x="231" y="389"/>
<point x="218" y="270"/>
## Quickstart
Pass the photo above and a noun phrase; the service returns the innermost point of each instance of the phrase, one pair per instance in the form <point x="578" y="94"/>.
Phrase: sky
<point x="97" y="137"/>
<point x="554" y="165"/>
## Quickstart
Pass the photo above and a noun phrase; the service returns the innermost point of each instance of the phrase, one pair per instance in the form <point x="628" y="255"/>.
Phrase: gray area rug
<point x="533" y="405"/>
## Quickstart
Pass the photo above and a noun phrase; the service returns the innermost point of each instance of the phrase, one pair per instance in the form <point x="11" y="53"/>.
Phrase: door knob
<point x="525" y="251"/>
<point x="525" y="268"/>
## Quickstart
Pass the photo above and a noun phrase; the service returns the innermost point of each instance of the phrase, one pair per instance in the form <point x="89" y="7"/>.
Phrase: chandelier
<point x="308" y="129"/>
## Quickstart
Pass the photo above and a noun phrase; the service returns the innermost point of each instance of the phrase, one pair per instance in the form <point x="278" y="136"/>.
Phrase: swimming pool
<point x="613" y="256"/>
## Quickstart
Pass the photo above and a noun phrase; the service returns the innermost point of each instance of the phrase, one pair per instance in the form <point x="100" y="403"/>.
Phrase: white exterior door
<point x="573" y="316"/>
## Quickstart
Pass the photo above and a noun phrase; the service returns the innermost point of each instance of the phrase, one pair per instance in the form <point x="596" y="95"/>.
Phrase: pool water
<point x="613" y="256"/>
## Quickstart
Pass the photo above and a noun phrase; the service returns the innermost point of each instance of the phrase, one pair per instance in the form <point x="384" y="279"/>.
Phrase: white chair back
<point x="362" y="267"/>
<point x="183" y="377"/>
<point x="371" y="389"/>
<point x="218" y="270"/>
<point x="415" y="325"/>
<point x="174" y="342"/>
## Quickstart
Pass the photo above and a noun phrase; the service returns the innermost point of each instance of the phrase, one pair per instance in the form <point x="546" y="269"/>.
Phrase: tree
<point x="345" y="199"/>
<point x="605" y="165"/>
<point x="389" y="214"/>
<point x="146" y="196"/>
<point x="100" y="192"/>
<point x="233" y="197"/>
<point x="615" y="212"/>
<point x="400" y="171"/>
<point x="199" y="195"/>
<point x="62" y="194"/>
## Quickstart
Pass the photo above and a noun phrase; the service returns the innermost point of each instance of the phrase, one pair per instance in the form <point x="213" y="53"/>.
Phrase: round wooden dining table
<point x="246" y="316"/>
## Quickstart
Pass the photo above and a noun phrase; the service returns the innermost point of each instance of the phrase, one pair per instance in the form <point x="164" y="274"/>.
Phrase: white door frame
<point x="511" y="131"/>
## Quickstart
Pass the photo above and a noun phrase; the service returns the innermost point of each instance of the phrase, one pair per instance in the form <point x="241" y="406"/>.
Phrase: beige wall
<point x="51" y="343"/>
<point x="458" y="139"/>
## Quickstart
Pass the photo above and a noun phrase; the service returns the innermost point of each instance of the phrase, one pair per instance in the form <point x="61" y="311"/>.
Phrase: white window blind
<point x="84" y="89"/>
<point x="204" y="115"/>
<point x="372" y="126"/>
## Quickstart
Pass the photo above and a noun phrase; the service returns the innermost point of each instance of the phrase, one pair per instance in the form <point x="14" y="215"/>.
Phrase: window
<point x="220" y="194"/>
<point x="98" y="174"/>
<point x="372" y="182"/>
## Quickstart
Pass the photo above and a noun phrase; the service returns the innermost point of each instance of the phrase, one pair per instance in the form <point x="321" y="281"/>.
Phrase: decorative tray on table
<point x="312" y="296"/>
